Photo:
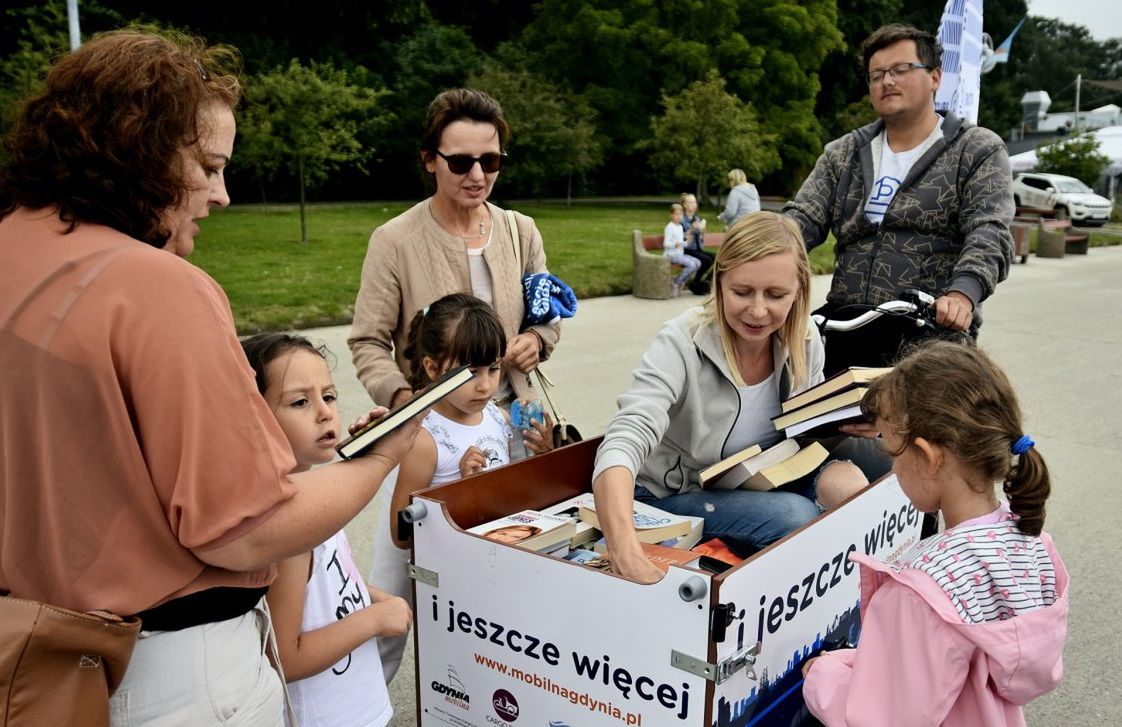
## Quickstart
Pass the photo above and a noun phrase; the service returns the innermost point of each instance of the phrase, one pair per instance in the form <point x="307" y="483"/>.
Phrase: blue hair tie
<point x="1022" y="445"/>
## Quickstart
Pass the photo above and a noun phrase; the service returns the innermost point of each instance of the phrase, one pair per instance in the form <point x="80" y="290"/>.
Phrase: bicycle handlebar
<point x="914" y="305"/>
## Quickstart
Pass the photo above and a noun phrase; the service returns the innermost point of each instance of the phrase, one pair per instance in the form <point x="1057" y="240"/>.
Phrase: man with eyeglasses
<point x="915" y="200"/>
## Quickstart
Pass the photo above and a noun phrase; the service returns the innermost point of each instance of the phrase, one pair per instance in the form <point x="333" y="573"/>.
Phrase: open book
<point x="651" y="524"/>
<point x="731" y="472"/>
<point x="803" y="463"/>
<point x="366" y="437"/>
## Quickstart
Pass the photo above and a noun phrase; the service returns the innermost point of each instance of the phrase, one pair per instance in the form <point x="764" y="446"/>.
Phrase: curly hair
<point x="102" y="141"/>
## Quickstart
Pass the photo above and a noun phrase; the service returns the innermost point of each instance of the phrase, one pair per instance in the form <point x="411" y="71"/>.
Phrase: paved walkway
<point x="1054" y="327"/>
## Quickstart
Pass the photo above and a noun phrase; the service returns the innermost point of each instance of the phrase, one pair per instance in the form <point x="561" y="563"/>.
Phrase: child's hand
<point x="392" y="615"/>
<point x="376" y="413"/>
<point x="539" y="438"/>
<point x="807" y="663"/>
<point x="474" y="460"/>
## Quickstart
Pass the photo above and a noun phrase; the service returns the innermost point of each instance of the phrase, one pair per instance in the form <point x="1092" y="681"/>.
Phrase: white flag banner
<point x="960" y="33"/>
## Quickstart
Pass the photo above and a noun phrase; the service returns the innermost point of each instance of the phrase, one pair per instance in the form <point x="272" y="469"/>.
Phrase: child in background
<point x="693" y="227"/>
<point x="968" y="625"/>
<point x="464" y="433"/>
<point x="324" y="616"/>
<point x="674" y="244"/>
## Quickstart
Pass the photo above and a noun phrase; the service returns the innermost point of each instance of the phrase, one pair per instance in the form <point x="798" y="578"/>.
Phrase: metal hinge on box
<point x="722" y="670"/>
<point x="423" y="575"/>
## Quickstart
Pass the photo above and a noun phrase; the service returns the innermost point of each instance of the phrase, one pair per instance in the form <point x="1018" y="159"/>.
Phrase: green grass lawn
<point x="275" y="282"/>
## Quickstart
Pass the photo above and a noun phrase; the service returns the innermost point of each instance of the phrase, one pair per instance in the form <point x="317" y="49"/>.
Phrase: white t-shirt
<point x="890" y="169"/>
<point x="674" y="238"/>
<point x="353" y="690"/>
<point x="758" y="404"/>
<point x="492" y="436"/>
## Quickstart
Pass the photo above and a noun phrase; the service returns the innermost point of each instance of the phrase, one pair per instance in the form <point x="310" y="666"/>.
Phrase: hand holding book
<point x="393" y="446"/>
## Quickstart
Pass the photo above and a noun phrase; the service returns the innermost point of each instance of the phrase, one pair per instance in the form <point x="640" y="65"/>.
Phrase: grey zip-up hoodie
<point x="947" y="229"/>
<point x="678" y="414"/>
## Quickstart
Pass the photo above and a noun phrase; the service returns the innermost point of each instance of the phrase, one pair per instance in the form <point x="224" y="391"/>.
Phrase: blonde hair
<point x="755" y="236"/>
<point x="737" y="176"/>
<point x="675" y="207"/>
<point x="684" y="196"/>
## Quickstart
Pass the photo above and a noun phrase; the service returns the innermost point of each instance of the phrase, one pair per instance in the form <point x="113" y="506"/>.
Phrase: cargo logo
<point x="453" y="690"/>
<point x="506" y="706"/>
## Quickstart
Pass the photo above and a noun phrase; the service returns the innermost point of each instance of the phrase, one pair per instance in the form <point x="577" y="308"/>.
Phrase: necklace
<point x="468" y="237"/>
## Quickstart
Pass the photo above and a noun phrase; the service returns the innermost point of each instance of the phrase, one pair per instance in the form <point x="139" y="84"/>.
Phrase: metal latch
<point x="423" y="575"/>
<point x="722" y="670"/>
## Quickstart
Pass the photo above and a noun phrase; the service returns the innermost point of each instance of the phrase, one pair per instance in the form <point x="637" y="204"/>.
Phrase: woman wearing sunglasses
<point x="453" y="242"/>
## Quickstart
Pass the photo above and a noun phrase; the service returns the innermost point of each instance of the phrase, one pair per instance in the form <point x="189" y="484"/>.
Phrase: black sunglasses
<point x="490" y="162"/>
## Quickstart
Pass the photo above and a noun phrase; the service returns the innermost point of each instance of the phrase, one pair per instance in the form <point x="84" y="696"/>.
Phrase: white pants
<point x="216" y="673"/>
<point x="388" y="574"/>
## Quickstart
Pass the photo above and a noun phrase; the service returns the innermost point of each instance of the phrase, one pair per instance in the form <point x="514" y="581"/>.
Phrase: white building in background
<point x="1039" y="126"/>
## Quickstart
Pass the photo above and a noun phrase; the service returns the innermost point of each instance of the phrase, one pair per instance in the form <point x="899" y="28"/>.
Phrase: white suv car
<point x="1070" y="198"/>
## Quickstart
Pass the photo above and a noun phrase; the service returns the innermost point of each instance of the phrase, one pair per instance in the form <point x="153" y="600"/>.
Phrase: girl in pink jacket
<point x="968" y="625"/>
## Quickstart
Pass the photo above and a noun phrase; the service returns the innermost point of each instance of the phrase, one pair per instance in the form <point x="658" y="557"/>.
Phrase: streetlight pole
<point x="72" y="15"/>
<point x="1078" y="84"/>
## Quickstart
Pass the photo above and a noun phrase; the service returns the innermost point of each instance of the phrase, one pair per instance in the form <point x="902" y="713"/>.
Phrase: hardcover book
<point x="528" y="529"/>
<point x="853" y="376"/>
<point x="369" y="435"/>
<point x="847" y="398"/>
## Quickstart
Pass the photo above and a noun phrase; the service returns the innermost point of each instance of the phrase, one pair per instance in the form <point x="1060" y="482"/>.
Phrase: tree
<point x="1077" y="157"/>
<point x="704" y="131"/>
<point x="306" y="120"/>
<point x="553" y="130"/>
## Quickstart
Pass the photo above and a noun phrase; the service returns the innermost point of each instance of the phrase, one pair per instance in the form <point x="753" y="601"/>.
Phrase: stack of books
<point x="819" y="410"/>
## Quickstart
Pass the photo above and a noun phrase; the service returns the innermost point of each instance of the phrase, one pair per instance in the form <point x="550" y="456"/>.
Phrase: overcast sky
<point x="1102" y="17"/>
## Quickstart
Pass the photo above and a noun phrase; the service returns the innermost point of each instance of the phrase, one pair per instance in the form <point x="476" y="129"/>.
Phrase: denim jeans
<point x="689" y="266"/>
<point x="746" y="520"/>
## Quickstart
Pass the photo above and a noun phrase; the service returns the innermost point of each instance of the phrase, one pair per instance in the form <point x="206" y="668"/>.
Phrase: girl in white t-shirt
<point x="326" y="619"/>
<point x="465" y="432"/>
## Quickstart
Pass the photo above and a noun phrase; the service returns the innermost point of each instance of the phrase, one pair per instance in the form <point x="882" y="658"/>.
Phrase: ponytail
<point x="418" y="377"/>
<point x="1027" y="486"/>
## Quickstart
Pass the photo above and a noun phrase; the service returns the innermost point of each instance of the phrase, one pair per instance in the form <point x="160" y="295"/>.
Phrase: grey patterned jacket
<point x="946" y="230"/>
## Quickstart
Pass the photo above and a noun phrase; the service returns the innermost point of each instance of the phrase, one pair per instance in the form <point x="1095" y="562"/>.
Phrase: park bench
<point x="1025" y="219"/>
<point x="1056" y="237"/>
<point x="652" y="274"/>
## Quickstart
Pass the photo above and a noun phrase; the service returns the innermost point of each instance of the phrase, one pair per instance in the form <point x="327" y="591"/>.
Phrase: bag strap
<point x="515" y="240"/>
<point x="271" y="642"/>
<point x="546" y="384"/>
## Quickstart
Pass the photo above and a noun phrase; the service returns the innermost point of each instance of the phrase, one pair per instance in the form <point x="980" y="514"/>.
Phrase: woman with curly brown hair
<point x="142" y="472"/>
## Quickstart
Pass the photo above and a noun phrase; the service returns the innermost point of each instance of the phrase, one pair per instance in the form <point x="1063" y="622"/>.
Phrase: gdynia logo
<point x="454" y="690"/>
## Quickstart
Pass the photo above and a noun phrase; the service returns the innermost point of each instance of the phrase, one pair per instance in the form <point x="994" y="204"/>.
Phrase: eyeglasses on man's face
<point x="490" y="162"/>
<point x="900" y="70"/>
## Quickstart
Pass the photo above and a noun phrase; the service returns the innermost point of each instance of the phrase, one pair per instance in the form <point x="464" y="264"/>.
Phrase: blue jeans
<point x="746" y="520"/>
